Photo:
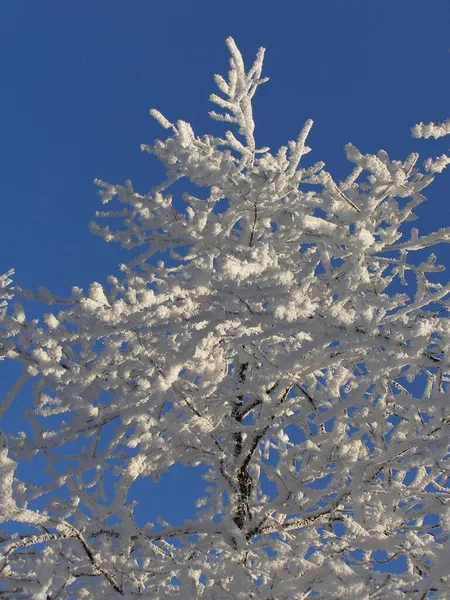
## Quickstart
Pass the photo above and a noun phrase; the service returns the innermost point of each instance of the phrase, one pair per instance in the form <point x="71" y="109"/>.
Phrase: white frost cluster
<point x="437" y="165"/>
<point x="422" y="130"/>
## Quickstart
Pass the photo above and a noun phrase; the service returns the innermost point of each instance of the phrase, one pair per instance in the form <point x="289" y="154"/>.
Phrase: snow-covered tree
<point x="294" y="342"/>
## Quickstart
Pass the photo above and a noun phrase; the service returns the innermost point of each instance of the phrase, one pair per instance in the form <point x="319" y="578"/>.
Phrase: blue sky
<point x="78" y="78"/>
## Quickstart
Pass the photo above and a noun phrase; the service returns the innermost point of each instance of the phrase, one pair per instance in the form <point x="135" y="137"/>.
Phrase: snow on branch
<point x="422" y="130"/>
<point x="239" y="91"/>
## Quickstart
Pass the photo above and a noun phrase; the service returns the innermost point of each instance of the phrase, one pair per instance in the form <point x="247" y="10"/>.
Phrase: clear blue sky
<point x="78" y="78"/>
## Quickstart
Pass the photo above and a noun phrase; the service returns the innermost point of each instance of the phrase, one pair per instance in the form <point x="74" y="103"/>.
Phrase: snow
<point x="274" y="354"/>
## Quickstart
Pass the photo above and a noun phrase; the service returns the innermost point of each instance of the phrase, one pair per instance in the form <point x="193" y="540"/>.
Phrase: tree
<point x="291" y="343"/>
